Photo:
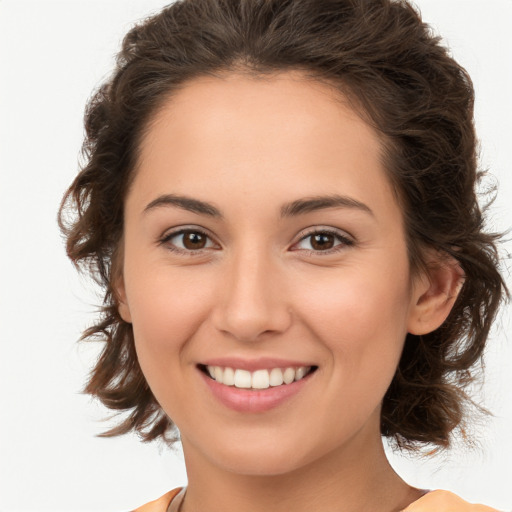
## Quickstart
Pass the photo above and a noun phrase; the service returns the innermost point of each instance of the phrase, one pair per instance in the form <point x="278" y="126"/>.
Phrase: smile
<point x="259" y="379"/>
<point x="257" y="387"/>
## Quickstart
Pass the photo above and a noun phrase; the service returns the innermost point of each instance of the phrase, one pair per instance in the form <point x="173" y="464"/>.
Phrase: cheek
<point x="356" y="305"/>
<point x="362" y="322"/>
<point x="167" y="308"/>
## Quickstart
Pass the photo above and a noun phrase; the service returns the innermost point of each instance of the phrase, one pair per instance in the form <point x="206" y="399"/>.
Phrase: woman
<point x="280" y="203"/>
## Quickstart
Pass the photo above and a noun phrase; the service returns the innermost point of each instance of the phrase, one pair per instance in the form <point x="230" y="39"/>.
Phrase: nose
<point x="252" y="299"/>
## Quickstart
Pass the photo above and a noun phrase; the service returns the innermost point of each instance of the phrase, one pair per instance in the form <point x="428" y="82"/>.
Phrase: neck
<point x="356" y="477"/>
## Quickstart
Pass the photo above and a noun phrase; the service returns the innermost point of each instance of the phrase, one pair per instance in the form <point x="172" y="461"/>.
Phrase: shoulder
<point x="161" y="504"/>
<point x="445" y="501"/>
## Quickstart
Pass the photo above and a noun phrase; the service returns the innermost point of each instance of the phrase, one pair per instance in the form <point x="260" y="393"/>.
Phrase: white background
<point x="52" y="55"/>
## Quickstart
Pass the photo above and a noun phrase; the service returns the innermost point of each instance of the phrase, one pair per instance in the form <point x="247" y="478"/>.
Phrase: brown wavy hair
<point x="400" y="79"/>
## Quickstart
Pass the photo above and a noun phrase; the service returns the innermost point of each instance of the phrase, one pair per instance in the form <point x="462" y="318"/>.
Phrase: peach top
<point x="169" y="502"/>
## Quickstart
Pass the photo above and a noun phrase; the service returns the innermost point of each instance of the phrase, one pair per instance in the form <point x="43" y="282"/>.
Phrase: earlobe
<point x="434" y="294"/>
<point x="122" y="303"/>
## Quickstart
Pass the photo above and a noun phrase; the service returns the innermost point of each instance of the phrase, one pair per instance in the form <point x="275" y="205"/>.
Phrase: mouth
<point x="257" y="380"/>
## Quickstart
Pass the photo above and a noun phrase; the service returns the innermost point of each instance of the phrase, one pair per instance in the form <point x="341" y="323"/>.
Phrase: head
<point x="400" y="93"/>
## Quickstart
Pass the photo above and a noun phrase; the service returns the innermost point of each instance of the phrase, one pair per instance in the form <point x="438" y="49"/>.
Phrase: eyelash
<point x="344" y="240"/>
<point x="165" y="240"/>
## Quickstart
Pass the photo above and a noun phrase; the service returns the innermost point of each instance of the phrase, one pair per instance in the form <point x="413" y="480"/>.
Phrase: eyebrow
<point x="310" y="204"/>
<point x="185" y="203"/>
<point x="297" y="207"/>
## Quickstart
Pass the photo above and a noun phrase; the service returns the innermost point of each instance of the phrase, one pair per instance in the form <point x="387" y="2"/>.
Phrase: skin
<point x="260" y="288"/>
<point x="445" y="501"/>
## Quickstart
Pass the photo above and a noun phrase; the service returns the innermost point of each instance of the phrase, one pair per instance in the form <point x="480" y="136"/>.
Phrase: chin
<point x="265" y="459"/>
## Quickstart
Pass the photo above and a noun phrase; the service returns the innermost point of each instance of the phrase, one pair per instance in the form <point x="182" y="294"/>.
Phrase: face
<point x="263" y="242"/>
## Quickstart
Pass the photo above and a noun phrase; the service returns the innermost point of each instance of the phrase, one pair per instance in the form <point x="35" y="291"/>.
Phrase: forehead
<point x="276" y="135"/>
<point x="258" y="113"/>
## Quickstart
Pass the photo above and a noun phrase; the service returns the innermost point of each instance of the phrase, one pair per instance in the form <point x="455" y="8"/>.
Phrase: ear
<point x="122" y="302"/>
<point x="434" y="293"/>
<point x="117" y="282"/>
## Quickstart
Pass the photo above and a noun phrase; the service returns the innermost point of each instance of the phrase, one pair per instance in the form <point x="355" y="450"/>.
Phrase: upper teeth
<point x="259" y="379"/>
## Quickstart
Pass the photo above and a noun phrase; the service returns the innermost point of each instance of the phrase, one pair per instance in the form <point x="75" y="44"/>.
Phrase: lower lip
<point x="248" y="400"/>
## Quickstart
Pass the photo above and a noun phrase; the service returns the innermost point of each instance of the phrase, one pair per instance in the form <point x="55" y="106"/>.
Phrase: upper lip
<point x="261" y="363"/>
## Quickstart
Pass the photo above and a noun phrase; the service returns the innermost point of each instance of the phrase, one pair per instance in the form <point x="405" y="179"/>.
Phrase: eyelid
<point x="179" y="230"/>
<point x="343" y="236"/>
<point x="321" y="228"/>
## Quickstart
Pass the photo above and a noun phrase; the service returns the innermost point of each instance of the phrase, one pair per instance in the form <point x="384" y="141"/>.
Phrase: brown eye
<point x="322" y="241"/>
<point x="188" y="240"/>
<point x="193" y="240"/>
